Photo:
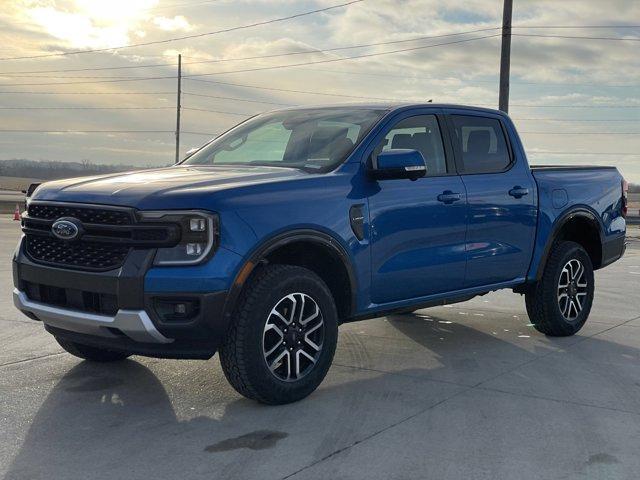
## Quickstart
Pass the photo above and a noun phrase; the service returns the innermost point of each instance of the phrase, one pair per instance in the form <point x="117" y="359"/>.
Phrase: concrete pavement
<point x="468" y="391"/>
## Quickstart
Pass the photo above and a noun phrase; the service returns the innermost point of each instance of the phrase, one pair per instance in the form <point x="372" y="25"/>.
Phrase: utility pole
<point x="178" y="109"/>
<point x="505" y="56"/>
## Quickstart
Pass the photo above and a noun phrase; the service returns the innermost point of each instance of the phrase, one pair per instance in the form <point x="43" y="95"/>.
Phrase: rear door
<point x="500" y="196"/>
<point x="417" y="227"/>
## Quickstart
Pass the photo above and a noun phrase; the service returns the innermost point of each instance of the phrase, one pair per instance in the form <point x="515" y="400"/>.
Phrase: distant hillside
<point x="54" y="170"/>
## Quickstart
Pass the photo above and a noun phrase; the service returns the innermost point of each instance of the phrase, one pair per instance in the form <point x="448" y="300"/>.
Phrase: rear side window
<point x="418" y="133"/>
<point x="481" y="144"/>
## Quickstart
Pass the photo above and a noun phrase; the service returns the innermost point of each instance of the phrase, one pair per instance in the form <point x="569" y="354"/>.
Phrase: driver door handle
<point x="518" y="191"/>
<point x="448" y="197"/>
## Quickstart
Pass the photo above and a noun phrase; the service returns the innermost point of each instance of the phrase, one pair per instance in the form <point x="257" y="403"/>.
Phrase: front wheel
<point x="559" y="303"/>
<point x="283" y="336"/>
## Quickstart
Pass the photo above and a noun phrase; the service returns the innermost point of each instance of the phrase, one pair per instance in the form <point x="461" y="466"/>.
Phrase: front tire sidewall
<point x="288" y="391"/>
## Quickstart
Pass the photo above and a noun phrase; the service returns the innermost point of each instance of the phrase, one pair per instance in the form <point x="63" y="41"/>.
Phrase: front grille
<point x="94" y="256"/>
<point x="108" y="235"/>
<point x="85" y="301"/>
<point x="101" y="216"/>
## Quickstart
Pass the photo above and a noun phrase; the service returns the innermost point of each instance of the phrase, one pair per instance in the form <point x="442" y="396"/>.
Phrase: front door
<point x="418" y="227"/>
<point x="502" y="201"/>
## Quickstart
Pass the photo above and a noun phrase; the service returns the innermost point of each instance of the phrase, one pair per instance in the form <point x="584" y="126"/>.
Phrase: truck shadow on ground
<point x="118" y="421"/>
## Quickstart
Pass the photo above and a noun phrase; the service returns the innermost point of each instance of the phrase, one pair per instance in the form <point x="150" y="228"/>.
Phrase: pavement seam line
<point x="377" y="432"/>
<point x="397" y="374"/>
<point x="557" y="400"/>
<point x="24" y="322"/>
<point x="31" y="359"/>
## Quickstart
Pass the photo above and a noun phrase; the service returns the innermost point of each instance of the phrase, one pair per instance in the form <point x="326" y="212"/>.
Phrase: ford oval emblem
<point x="65" y="229"/>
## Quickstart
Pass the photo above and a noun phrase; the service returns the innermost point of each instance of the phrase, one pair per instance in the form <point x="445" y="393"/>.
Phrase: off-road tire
<point x="242" y="356"/>
<point x="92" y="354"/>
<point x="542" y="301"/>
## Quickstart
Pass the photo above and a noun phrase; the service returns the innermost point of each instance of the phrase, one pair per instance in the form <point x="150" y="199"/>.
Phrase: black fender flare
<point x="577" y="212"/>
<point x="271" y="244"/>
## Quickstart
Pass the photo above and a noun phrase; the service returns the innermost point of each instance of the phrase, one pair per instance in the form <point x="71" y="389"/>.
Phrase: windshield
<point x="313" y="140"/>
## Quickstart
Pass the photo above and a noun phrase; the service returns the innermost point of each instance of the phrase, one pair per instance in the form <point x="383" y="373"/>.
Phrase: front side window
<point x="311" y="139"/>
<point x="481" y="144"/>
<point x="420" y="133"/>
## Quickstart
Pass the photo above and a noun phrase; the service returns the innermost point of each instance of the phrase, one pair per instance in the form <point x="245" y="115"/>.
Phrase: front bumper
<point x="135" y="324"/>
<point x="131" y="322"/>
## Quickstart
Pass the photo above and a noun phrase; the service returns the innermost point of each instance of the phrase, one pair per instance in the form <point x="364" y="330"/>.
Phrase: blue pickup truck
<point x="262" y="242"/>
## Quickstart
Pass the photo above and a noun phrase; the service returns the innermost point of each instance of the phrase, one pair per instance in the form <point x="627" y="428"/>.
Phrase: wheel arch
<point x="580" y="225"/>
<point x="309" y="248"/>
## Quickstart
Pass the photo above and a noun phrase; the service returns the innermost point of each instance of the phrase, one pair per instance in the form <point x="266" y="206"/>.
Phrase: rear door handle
<point x="518" y="192"/>
<point x="448" y="197"/>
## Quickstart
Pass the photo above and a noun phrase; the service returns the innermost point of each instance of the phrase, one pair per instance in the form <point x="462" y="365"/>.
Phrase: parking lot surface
<point x="467" y="391"/>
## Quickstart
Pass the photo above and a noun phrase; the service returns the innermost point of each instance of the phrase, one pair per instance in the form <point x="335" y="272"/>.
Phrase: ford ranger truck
<point x="262" y="242"/>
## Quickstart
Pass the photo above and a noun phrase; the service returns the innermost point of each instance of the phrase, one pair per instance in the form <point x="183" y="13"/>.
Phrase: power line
<point x="308" y="92"/>
<point x="218" y="111"/>
<point x="569" y="106"/>
<point x="130" y="79"/>
<point x="236" y="99"/>
<point x="86" y="108"/>
<point x="628" y="154"/>
<point x="273" y="67"/>
<point x="83" y="131"/>
<point x="575" y="26"/>
<point x="187" y="37"/>
<point x="576" y="37"/>
<point x="341" y="72"/>
<point x="105" y="131"/>
<point x="573" y="120"/>
<point x="311" y="51"/>
<point x="88" y="69"/>
<point x="89" y="93"/>
<point x="257" y="57"/>
<point x="202" y="133"/>
<point x="275" y="89"/>
<point x="493" y="82"/>
<point x="340" y="59"/>
<point x="580" y="133"/>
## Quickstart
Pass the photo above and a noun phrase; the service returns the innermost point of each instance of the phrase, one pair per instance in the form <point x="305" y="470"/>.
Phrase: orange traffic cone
<point x="16" y="213"/>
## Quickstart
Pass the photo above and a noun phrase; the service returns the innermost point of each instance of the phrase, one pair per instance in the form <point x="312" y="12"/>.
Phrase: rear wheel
<point x="283" y="336"/>
<point x="560" y="303"/>
<point x="91" y="353"/>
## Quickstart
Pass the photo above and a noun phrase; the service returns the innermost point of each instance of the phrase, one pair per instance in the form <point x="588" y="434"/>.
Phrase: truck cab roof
<point x="396" y="106"/>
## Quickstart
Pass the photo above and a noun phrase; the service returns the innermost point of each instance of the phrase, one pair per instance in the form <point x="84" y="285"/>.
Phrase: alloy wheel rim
<point x="572" y="289"/>
<point x="293" y="337"/>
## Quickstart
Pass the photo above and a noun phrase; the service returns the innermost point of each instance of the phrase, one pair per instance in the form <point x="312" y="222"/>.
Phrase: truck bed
<point x="594" y="190"/>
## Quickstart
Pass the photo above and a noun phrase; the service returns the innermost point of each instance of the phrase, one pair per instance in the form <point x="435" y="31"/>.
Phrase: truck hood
<point x="160" y="186"/>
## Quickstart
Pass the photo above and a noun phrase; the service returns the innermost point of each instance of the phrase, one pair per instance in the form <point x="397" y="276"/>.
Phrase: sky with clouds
<point x="574" y="100"/>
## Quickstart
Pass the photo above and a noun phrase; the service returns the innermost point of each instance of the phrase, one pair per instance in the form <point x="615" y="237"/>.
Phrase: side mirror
<point x="398" y="163"/>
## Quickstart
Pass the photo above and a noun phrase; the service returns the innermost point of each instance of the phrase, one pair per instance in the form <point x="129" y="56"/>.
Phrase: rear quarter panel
<point x="564" y="190"/>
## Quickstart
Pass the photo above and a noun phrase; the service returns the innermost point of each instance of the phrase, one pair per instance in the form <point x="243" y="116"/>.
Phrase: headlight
<point x="199" y="235"/>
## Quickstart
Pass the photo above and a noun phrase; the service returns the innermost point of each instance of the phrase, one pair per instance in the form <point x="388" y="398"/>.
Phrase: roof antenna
<point x="430" y="100"/>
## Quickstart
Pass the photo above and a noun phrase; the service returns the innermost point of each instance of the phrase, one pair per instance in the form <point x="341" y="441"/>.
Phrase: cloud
<point x="78" y="30"/>
<point x="548" y="71"/>
<point x="173" y="24"/>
